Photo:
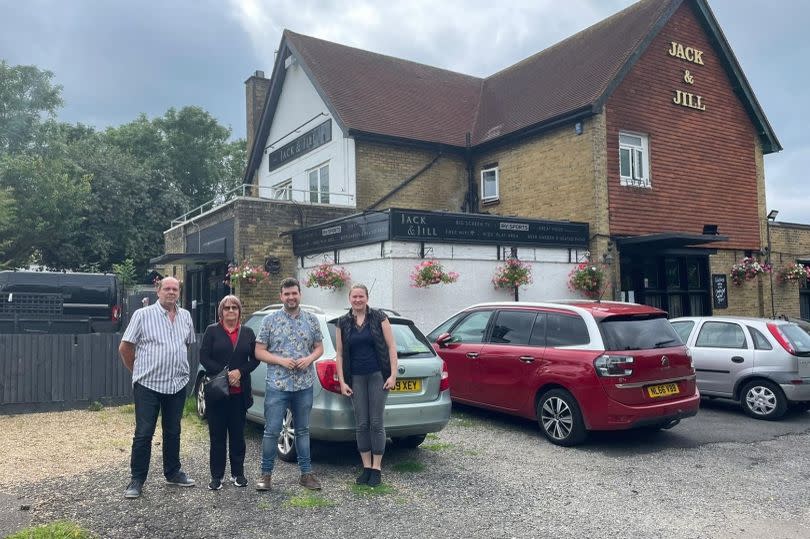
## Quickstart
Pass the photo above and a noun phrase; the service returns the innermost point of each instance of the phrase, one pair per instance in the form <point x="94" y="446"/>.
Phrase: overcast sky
<point x="116" y="59"/>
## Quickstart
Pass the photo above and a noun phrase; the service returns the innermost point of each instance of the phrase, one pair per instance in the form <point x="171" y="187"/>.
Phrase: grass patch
<point x="471" y="452"/>
<point x="462" y="421"/>
<point x="308" y="501"/>
<point x="365" y="490"/>
<point x="263" y="505"/>
<point x="190" y="407"/>
<point x="54" y="530"/>
<point x="127" y="408"/>
<point x="408" y="466"/>
<point x="439" y="446"/>
<point x="432" y="436"/>
<point x="95" y="406"/>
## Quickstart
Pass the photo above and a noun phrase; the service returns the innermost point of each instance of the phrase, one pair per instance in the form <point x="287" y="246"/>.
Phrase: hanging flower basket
<point x="793" y="272"/>
<point x="587" y="279"/>
<point x="512" y="274"/>
<point x="430" y="272"/>
<point x="747" y="269"/>
<point x="328" y="276"/>
<point x="244" y="273"/>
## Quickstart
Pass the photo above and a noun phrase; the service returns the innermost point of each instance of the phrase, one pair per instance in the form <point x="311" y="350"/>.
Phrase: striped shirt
<point x="161" y="357"/>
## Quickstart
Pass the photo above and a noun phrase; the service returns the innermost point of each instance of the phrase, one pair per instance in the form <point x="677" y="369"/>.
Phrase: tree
<point x="26" y="94"/>
<point x="7" y="218"/>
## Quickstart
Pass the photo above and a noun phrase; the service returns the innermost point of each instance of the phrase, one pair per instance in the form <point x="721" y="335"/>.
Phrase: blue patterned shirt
<point x="294" y="337"/>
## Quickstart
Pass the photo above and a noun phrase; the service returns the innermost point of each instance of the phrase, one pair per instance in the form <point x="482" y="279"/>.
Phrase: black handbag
<point x="217" y="387"/>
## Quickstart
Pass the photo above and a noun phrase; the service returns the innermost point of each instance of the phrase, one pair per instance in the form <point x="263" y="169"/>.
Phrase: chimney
<point x="256" y="88"/>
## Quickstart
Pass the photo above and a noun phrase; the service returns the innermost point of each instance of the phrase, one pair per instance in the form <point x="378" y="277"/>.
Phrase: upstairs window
<point x="319" y="184"/>
<point x="634" y="160"/>
<point x="282" y="190"/>
<point x="489" y="183"/>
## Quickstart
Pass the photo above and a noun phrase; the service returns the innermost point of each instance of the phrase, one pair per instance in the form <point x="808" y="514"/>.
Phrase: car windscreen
<point x="799" y="339"/>
<point x="410" y="341"/>
<point x="638" y="333"/>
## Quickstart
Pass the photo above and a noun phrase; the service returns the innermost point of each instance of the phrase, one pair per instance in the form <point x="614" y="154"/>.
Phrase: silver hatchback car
<point x="764" y="364"/>
<point x="419" y="404"/>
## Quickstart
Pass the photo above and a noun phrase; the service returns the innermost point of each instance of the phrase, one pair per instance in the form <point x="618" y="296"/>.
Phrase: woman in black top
<point x="367" y="370"/>
<point x="228" y="343"/>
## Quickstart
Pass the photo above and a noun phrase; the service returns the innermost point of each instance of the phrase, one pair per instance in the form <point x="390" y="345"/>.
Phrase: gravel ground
<point x="486" y="475"/>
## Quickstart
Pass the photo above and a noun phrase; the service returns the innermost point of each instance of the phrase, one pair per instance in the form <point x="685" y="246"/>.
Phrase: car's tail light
<point x="115" y="313"/>
<point x="444" y="384"/>
<point x="607" y="365"/>
<point x="327" y="374"/>
<point x="781" y="338"/>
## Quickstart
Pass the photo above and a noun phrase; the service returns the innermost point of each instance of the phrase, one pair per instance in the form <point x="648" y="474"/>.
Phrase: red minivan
<point x="574" y="366"/>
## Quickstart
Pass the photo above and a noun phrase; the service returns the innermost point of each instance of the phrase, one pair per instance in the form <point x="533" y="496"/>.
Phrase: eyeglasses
<point x="230" y="308"/>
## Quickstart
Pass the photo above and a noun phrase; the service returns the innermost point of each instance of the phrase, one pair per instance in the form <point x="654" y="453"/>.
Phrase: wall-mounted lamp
<point x="607" y="259"/>
<point x="772" y="215"/>
<point x="578" y="128"/>
<point x="710" y="230"/>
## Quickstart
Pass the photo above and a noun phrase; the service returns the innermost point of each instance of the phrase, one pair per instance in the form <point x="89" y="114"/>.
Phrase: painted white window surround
<point x="634" y="159"/>
<point x="489" y="184"/>
<point x="319" y="184"/>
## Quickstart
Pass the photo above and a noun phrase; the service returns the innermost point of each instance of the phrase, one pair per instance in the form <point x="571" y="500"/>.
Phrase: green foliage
<point x="439" y="446"/>
<point x="126" y="273"/>
<point x="55" y="530"/>
<point x="8" y="209"/>
<point x="365" y="490"/>
<point x="308" y="500"/>
<point x="95" y="406"/>
<point x="408" y="466"/>
<point x="26" y="94"/>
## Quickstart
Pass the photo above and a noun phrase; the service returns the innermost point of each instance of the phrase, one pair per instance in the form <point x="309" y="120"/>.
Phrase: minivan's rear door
<point x="644" y="361"/>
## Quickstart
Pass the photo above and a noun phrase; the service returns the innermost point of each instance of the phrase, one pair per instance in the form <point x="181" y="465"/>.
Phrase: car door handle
<point x="472" y="355"/>
<point x="737" y="359"/>
<point x="526" y="359"/>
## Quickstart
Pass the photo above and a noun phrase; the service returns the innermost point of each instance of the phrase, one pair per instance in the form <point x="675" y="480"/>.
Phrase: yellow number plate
<point x="408" y="385"/>
<point x="662" y="390"/>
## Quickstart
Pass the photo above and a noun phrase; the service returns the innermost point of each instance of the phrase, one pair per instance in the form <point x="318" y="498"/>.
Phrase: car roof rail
<point x="308" y="308"/>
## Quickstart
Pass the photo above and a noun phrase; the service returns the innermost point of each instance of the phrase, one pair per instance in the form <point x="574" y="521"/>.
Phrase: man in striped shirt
<point x="154" y="348"/>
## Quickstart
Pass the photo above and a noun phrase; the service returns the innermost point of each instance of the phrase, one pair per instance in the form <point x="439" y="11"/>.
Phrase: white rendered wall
<point x="388" y="278"/>
<point x="298" y="105"/>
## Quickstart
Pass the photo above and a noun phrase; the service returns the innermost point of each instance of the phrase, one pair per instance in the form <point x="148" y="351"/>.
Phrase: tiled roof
<point x="374" y="93"/>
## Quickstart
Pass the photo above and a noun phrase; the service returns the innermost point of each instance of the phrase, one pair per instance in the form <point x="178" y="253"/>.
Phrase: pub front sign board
<point x="314" y="138"/>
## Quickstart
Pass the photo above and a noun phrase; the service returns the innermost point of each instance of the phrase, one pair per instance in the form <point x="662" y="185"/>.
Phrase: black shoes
<point x="374" y="478"/>
<point x="215" y="484"/>
<point x="239" y="480"/>
<point x="362" y="479"/>
<point x="134" y="489"/>
<point x="181" y="480"/>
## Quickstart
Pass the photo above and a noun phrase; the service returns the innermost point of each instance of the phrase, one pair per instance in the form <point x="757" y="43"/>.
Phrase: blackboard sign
<point x="442" y="227"/>
<point x="315" y="137"/>
<point x="720" y="291"/>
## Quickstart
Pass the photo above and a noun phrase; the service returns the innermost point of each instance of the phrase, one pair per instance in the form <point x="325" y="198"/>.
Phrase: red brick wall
<point x="702" y="163"/>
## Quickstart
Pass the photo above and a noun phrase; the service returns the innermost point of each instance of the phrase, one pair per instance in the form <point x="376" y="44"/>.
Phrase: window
<point x="282" y="190"/>
<point x="721" y="335"/>
<point x="319" y="184"/>
<point x="513" y="327"/>
<point x="634" y="160"/>
<point x="760" y="341"/>
<point x="683" y="329"/>
<point x="566" y="330"/>
<point x="472" y="328"/>
<point x="489" y="183"/>
<point x="631" y="333"/>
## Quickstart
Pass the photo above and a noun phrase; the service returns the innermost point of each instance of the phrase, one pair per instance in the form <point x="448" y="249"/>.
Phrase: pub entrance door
<point x="204" y="289"/>
<point x="676" y="282"/>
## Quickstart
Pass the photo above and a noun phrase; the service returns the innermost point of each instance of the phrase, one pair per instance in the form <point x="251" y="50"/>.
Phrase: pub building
<point x="636" y="144"/>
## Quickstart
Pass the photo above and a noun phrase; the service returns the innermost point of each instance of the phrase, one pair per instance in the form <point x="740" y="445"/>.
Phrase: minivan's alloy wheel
<point x="763" y="400"/>
<point x="200" y="397"/>
<point x="560" y="418"/>
<point x="286" y="439"/>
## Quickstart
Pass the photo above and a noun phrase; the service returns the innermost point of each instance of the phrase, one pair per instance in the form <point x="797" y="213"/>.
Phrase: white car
<point x="764" y="364"/>
<point x="419" y="404"/>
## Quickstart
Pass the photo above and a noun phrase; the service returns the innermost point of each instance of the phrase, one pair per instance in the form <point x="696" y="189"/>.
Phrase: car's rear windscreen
<point x="638" y="333"/>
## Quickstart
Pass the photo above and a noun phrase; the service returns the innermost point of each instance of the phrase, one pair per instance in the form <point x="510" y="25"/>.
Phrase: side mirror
<point x="444" y="339"/>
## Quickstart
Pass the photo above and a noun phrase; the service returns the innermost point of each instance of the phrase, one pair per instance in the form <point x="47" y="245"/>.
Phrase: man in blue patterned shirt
<point x="290" y="340"/>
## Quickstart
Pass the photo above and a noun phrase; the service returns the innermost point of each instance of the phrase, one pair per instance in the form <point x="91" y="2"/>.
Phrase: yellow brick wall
<point x="383" y="167"/>
<point x="789" y="243"/>
<point x="752" y="298"/>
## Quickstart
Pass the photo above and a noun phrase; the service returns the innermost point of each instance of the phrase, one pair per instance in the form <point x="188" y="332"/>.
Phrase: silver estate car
<point x="764" y="364"/>
<point x="419" y="404"/>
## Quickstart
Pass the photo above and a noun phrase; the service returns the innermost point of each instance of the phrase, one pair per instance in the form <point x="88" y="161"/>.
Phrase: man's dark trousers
<point x="148" y="404"/>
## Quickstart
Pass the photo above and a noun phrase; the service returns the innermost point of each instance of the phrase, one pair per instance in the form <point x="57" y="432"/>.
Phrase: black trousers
<point x="148" y="404"/>
<point x="226" y="424"/>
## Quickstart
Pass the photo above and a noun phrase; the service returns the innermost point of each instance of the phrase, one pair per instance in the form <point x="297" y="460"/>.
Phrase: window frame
<point x="641" y="152"/>
<point x="321" y="195"/>
<point x="484" y="170"/>
<point x="283" y="188"/>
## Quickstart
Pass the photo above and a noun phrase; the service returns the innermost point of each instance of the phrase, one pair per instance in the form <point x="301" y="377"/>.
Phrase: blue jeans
<point x="148" y="404"/>
<point x="276" y="404"/>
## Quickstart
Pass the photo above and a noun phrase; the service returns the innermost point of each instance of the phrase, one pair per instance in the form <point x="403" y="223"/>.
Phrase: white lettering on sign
<point x="523" y="227"/>
<point x="331" y="231"/>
